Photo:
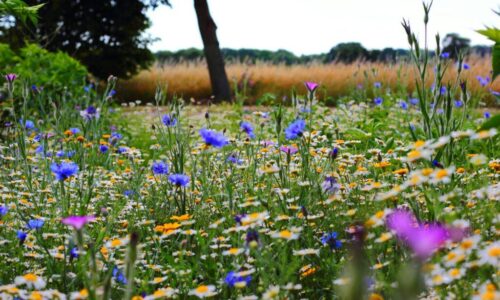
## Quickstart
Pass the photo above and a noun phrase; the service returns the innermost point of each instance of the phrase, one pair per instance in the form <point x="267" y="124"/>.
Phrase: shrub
<point x="36" y="65"/>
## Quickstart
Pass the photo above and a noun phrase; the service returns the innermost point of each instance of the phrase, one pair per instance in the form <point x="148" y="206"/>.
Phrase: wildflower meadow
<point x="384" y="195"/>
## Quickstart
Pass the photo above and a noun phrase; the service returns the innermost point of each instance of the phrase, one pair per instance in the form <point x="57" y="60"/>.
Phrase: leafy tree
<point x="347" y="53"/>
<point x="454" y="44"/>
<point x="20" y="10"/>
<point x="105" y="35"/>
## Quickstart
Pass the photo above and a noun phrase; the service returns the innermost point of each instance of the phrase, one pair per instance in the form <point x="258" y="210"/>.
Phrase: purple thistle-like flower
<point x="64" y="170"/>
<point x="295" y="129"/>
<point x="423" y="239"/>
<point x="179" y="179"/>
<point x="213" y="138"/>
<point x="10" y="77"/>
<point x="311" y="86"/>
<point x="289" y="149"/>
<point x="77" y="222"/>
<point x="331" y="240"/>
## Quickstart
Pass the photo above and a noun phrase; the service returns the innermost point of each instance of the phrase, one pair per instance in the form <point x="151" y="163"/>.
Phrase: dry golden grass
<point x="191" y="80"/>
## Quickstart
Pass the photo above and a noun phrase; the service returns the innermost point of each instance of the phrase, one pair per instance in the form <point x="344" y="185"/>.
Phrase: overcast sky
<point x="315" y="26"/>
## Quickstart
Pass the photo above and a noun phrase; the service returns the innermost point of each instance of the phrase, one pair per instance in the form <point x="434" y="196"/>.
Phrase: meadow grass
<point x="190" y="79"/>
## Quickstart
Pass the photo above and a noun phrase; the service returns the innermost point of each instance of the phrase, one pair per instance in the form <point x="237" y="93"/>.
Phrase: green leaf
<point x="358" y="134"/>
<point x="493" y="122"/>
<point x="496" y="60"/>
<point x="491" y="33"/>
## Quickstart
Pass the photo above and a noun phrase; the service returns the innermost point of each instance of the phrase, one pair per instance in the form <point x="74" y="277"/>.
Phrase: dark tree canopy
<point x="454" y="44"/>
<point x="105" y="35"/>
<point x="347" y="53"/>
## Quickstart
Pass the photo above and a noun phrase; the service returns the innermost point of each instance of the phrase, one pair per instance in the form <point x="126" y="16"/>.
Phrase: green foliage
<point x="493" y="122"/>
<point x="493" y="34"/>
<point x="43" y="68"/>
<point x="19" y="9"/>
<point x="106" y="36"/>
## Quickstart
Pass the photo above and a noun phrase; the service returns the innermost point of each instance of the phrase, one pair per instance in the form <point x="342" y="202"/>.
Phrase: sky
<point x="315" y="26"/>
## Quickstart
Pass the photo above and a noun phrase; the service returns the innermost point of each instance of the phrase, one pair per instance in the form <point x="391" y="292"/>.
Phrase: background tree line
<point x="343" y="52"/>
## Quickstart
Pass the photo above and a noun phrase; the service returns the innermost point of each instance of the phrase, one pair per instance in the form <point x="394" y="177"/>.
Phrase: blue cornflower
<point x="414" y="101"/>
<point x="122" y="149"/>
<point x="443" y="90"/>
<point x="445" y="55"/>
<point x="483" y="81"/>
<point x="74" y="130"/>
<point x="28" y="124"/>
<point x="440" y="111"/>
<point x="159" y="168"/>
<point x="458" y="103"/>
<point x="179" y="179"/>
<point x="3" y="210"/>
<point x="248" y="129"/>
<point x="62" y="153"/>
<point x="118" y="276"/>
<point x="169" y="120"/>
<point x="377" y="85"/>
<point x="40" y="149"/>
<point x="111" y="93"/>
<point x="35" y="224"/>
<point x="128" y="193"/>
<point x="466" y="66"/>
<point x="330" y="185"/>
<point x="331" y="240"/>
<point x="64" y="170"/>
<point x="378" y="101"/>
<point x="213" y="138"/>
<point x="115" y="137"/>
<point x="234" y="159"/>
<point x="103" y="148"/>
<point x="334" y="153"/>
<point x="74" y="252"/>
<point x="21" y="235"/>
<point x="403" y="105"/>
<point x="437" y="164"/>
<point x="295" y="129"/>
<point x="233" y="278"/>
<point x="486" y="115"/>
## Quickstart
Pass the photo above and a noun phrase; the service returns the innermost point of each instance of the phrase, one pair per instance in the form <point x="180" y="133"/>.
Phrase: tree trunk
<point x="213" y="55"/>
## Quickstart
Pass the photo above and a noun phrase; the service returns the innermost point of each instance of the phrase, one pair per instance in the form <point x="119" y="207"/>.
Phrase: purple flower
<point x="77" y="222"/>
<point x="486" y="115"/>
<point x="10" y="77"/>
<point x="377" y="85"/>
<point x="426" y="239"/>
<point x="248" y="129"/>
<point x="289" y="149"/>
<point x="443" y="90"/>
<point x="465" y="66"/>
<point x="423" y="239"/>
<point x="403" y="105"/>
<point x="458" y="103"/>
<point x="414" y="101"/>
<point x="179" y="179"/>
<point x="234" y="159"/>
<point x="334" y="153"/>
<point x="311" y="86"/>
<point x="64" y="170"/>
<point x="90" y="113"/>
<point x="159" y="168"/>
<point x="402" y="222"/>
<point x="169" y="120"/>
<point x="295" y="129"/>
<point x="330" y="185"/>
<point x="483" y="81"/>
<point x="213" y="138"/>
<point x="28" y="124"/>
<point x="378" y="101"/>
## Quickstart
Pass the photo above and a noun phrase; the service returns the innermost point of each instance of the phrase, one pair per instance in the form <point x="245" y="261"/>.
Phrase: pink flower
<point x="10" y="77"/>
<point x="423" y="239"/>
<point x="289" y="149"/>
<point x="77" y="222"/>
<point x="402" y="222"/>
<point x="426" y="239"/>
<point x="311" y="86"/>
